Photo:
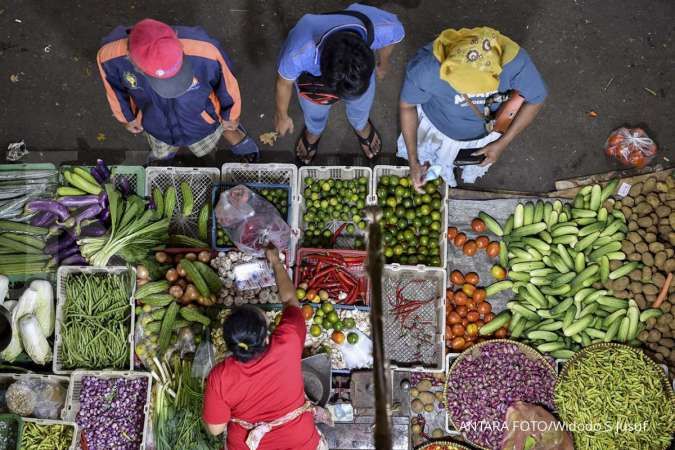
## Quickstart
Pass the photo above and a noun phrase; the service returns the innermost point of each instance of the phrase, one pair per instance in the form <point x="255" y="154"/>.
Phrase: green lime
<point x="426" y="198"/>
<point x="327" y="307"/>
<point x="388" y="252"/>
<point x="436" y="203"/>
<point x="423" y="240"/>
<point x="400" y="211"/>
<point x="435" y="225"/>
<point x="391" y="201"/>
<point x="410" y="215"/>
<point x="435" y="215"/>
<point x="363" y="180"/>
<point x="326" y="324"/>
<point x="412" y="260"/>
<point x="400" y="191"/>
<point x="384" y="180"/>
<point x="392" y="219"/>
<point x="398" y="250"/>
<point x="435" y="261"/>
<point x="407" y="203"/>
<point x="349" y="322"/>
<point x="309" y="181"/>
<point x="333" y="317"/>
<point x="408" y="234"/>
<point x="394" y="179"/>
<point x="356" y="218"/>
<point x="315" y="330"/>
<point x="423" y="251"/>
<point x="430" y="188"/>
<point x="405" y="181"/>
<point x="338" y="326"/>
<point x="425" y="210"/>
<point x="403" y="259"/>
<point x="352" y="338"/>
<point x="362" y="225"/>
<point x="325" y="186"/>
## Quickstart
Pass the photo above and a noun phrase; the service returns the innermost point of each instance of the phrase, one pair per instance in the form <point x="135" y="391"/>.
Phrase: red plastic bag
<point x="631" y="146"/>
<point x="531" y="427"/>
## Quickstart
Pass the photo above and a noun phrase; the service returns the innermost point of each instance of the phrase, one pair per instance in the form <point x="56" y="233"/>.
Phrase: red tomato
<point x="473" y="316"/>
<point x="465" y="322"/>
<point x="458" y="330"/>
<point x="454" y="318"/>
<point x="456" y="277"/>
<point x="459" y="240"/>
<point x="460" y="298"/>
<point x="470" y="247"/>
<point x="484" y="308"/>
<point x="449" y="295"/>
<point x="478" y="225"/>
<point x="452" y="232"/>
<point x="488" y="317"/>
<point x="479" y="295"/>
<point x="492" y="249"/>
<point x="473" y="278"/>
<point x="458" y="343"/>
<point x="482" y="241"/>
<point x="462" y="310"/>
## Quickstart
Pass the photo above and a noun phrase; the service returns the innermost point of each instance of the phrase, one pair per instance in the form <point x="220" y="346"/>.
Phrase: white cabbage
<point x="14" y="348"/>
<point x="34" y="342"/>
<point x="44" y="309"/>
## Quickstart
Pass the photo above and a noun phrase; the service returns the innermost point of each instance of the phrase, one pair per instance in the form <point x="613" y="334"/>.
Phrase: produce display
<point x="96" y="320"/>
<point x="468" y="313"/>
<point x="276" y="196"/>
<point x="33" y="396"/>
<point x="595" y="378"/>
<point x="9" y="431"/>
<point x="334" y="208"/>
<point x="427" y="403"/>
<point x="332" y="274"/>
<point x="412" y="221"/>
<point x="224" y="264"/>
<point x="442" y="445"/>
<point x="39" y="436"/>
<point x="484" y="381"/>
<point x="111" y="412"/>
<point x="18" y="187"/>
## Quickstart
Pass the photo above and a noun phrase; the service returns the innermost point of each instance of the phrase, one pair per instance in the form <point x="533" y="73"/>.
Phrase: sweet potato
<point x="635" y="190"/>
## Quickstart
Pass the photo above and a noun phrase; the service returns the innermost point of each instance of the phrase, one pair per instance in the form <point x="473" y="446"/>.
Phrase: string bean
<point x="46" y="437"/>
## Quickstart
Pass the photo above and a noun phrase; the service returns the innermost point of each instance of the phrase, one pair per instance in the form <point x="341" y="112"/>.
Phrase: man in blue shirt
<point x="437" y="120"/>
<point x="330" y="57"/>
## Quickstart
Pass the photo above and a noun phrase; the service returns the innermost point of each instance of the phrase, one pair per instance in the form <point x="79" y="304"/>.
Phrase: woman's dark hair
<point x="245" y="331"/>
<point x="347" y="63"/>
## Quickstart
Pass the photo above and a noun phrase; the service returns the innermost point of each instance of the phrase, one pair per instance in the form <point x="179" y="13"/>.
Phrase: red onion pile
<point x="111" y="412"/>
<point x="485" y="383"/>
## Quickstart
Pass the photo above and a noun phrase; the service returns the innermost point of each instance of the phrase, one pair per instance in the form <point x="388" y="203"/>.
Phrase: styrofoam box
<point x="8" y="378"/>
<point x="404" y="171"/>
<point x="76" y="430"/>
<point x="391" y="275"/>
<point x="61" y="275"/>
<point x="324" y="173"/>
<point x="75" y="388"/>
<point x="235" y="173"/>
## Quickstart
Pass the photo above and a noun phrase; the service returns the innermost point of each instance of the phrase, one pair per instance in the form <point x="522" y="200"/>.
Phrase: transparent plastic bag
<point x="631" y="146"/>
<point x="251" y="222"/>
<point x="204" y="358"/>
<point x="31" y="397"/>
<point x="531" y="427"/>
<point x="359" y="355"/>
<point x="51" y="399"/>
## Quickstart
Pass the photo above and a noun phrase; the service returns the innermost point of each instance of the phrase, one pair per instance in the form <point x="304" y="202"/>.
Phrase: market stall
<point x="116" y="282"/>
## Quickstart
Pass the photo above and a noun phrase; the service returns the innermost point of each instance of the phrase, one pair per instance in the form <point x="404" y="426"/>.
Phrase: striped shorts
<point x="162" y="150"/>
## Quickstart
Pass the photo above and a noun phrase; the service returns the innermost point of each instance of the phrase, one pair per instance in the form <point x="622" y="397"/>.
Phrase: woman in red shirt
<point x="258" y="392"/>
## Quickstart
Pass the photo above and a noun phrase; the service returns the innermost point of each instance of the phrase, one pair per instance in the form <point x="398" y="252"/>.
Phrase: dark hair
<point x="347" y="63"/>
<point x="245" y="331"/>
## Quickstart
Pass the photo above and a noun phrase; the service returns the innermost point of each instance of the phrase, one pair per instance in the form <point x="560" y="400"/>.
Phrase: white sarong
<point x="438" y="149"/>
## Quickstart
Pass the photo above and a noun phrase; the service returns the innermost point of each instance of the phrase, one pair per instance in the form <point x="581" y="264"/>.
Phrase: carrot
<point x="664" y="290"/>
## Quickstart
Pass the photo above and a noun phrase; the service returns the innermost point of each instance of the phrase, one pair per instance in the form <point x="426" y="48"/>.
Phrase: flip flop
<point x="368" y="142"/>
<point x="247" y="148"/>
<point x="310" y="149"/>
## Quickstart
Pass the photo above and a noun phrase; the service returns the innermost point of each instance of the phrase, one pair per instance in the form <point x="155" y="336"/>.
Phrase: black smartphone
<point x="465" y="157"/>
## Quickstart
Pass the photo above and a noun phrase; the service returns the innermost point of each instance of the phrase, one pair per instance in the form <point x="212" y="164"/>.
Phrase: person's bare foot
<point x="370" y="141"/>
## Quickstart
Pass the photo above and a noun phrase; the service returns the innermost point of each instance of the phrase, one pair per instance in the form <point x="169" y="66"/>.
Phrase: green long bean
<point x="46" y="437"/>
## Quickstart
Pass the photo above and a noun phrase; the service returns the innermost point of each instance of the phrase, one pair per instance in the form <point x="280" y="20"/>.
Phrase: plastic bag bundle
<point x="251" y="222"/>
<point x="531" y="427"/>
<point x="31" y="397"/>
<point x="359" y="355"/>
<point x="631" y="146"/>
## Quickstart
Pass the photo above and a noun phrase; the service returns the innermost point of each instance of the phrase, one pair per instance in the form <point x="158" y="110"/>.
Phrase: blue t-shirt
<point x="447" y="109"/>
<point x="302" y="48"/>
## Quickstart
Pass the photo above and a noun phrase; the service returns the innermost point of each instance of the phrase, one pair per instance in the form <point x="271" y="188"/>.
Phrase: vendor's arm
<point x="409" y="124"/>
<point x="282" y="97"/>
<point x="284" y="283"/>
<point x="216" y="429"/>
<point x="215" y="411"/>
<point x="383" y="64"/>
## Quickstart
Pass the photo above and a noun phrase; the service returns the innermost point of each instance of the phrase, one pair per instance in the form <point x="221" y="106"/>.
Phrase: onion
<point x="141" y="281"/>
<point x="176" y="291"/>
<point x="181" y="272"/>
<point x="161" y="257"/>
<point x="171" y="275"/>
<point x="142" y="272"/>
<point x="190" y="256"/>
<point x="204" y="256"/>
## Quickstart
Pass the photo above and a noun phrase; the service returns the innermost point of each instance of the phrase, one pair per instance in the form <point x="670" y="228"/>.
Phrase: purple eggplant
<point x="56" y="243"/>
<point x="74" y="260"/>
<point x="96" y="173"/>
<point x="123" y="186"/>
<point x="89" y="213"/>
<point x="105" y="215"/>
<point x="51" y="206"/>
<point x="77" y="201"/>
<point x="103" y="199"/>
<point x="94" y="229"/>
<point x="43" y="219"/>
<point x="67" y="252"/>
<point x="100" y="165"/>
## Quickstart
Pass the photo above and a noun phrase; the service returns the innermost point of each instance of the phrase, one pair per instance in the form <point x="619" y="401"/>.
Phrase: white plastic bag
<point x="359" y="355"/>
<point x="251" y="222"/>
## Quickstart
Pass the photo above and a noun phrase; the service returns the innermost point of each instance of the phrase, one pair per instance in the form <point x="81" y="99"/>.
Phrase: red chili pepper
<point x="338" y="232"/>
<point x="348" y="280"/>
<point x="351" y="297"/>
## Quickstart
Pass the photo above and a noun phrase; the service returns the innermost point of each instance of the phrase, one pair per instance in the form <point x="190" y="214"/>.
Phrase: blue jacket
<point x="213" y="96"/>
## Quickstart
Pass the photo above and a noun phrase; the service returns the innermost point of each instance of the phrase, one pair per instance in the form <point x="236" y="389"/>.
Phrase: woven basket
<point x="581" y="354"/>
<point x="525" y="349"/>
<point x="444" y="445"/>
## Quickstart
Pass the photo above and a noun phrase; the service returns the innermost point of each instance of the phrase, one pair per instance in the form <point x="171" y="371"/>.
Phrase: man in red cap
<point x="176" y="84"/>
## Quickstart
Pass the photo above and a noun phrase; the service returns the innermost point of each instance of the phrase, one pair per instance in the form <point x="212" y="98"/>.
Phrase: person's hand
<point x="272" y="254"/>
<point x="381" y="70"/>
<point x="283" y="124"/>
<point x="492" y="152"/>
<point x="134" y="126"/>
<point x="417" y="174"/>
<point x="230" y="125"/>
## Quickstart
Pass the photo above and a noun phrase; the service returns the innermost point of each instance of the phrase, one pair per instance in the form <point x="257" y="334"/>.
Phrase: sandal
<point x="368" y="142"/>
<point x="246" y="149"/>
<point x="310" y="150"/>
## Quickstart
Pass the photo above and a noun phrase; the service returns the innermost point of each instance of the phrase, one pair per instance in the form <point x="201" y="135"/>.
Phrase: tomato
<point x="459" y="240"/>
<point x="492" y="249"/>
<point x="452" y="232"/>
<point x="473" y="278"/>
<point x="472" y="329"/>
<point x="456" y="277"/>
<point x="488" y="317"/>
<point x="465" y="322"/>
<point x="471" y="305"/>
<point x="478" y="225"/>
<point x="480" y="323"/>
<point x="637" y="159"/>
<point x="473" y="316"/>
<point x="468" y="289"/>
<point x="460" y="298"/>
<point x="448" y="333"/>
<point x="454" y="318"/>
<point x="501" y="333"/>
<point x="462" y="310"/>
<point x="470" y="248"/>
<point x="498" y="272"/>
<point x="485" y="308"/>
<point x="615" y="138"/>
<point x="307" y="311"/>
<point x="449" y="295"/>
<point x="458" y="330"/>
<point x="479" y="295"/>
<point x="458" y="343"/>
<point x="482" y="241"/>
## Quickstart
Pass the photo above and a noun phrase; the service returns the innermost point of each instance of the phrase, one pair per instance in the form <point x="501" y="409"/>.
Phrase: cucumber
<point x="169" y="201"/>
<point x="188" y="198"/>
<point x="592" y="228"/>
<point x="578" y="326"/>
<point x="562" y="306"/>
<point x="562" y="290"/>
<point x="579" y="262"/>
<point x="612" y="331"/>
<point x="563" y="230"/>
<point x="497" y="287"/>
<point x="615" y="256"/>
<point x="540" y="335"/>
<point x="525" y="267"/>
<point x="503" y="254"/>
<point x="586" y="242"/>
<point x="540" y="281"/>
<point x="562" y="354"/>
<point x="508" y="226"/>
<point x="518" y="216"/>
<point x="538" y="244"/>
<point x="548" y="209"/>
<point x="557" y="206"/>
<point x="528" y="213"/>
<point x="562" y="252"/>
<point x="614" y="317"/>
<point x="491" y="223"/>
<point x="553" y="326"/>
<point x="604" y="269"/>
<point x="538" y="212"/>
<point x="496" y="323"/>
<point x="612" y="302"/>
<point x="527" y="313"/>
<point x="551" y="347"/>
<point x="158" y="198"/>
<point x="568" y="239"/>
<point x="608" y="248"/>
<point x="563" y="279"/>
<point x="609" y="189"/>
<point x="585" y="221"/>
<point x="650" y="313"/>
<point x="602" y="215"/>
<point x="622" y="334"/>
<point x="519" y="276"/>
<point x="611" y="228"/>
<point x="625" y="269"/>
<point x="585" y="274"/>
<point x="596" y="197"/>
<point x="528" y="230"/>
<point x="546" y="237"/>
<point x="203" y="222"/>
<point x="633" y="320"/>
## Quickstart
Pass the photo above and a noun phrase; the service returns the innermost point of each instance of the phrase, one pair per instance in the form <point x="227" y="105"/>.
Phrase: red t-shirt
<point x="263" y="390"/>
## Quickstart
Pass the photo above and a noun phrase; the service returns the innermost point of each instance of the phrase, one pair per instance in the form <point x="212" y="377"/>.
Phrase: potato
<point x="662" y="328"/>
<point x="640" y="198"/>
<point x="641" y="247"/>
<point x="662" y="211"/>
<point x="656" y="247"/>
<point x="615" y="264"/>
<point x="645" y="222"/>
<point x="650" y="298"/>
<point x="440" y="396"/>
<point x="658" y="279"/>
<point x="437" y="433"/>
<point x="641" y="301"/>
<point x="414" y="392"/>
<point x="648" y="259"/>
<point x="626" y="211"/>
<point x="622" y="294"/>
<point x="627" y="247"/>
<point x="646" y="273"/>
<point x="642" y="232"/>
<point x="633" y="217"/>
<point x="661" y="186"/>
<point x="654" y="336"/>
<point x="642" y="209"/>
<point x="658" y="356"/>
<point x="417" y="406"/>
<point x="619" y="284"/>
<point x="667" y="342"/>
<point x="664" y="319"/>
<point x="635" y="287"/>
<point x="627" y="201"/>
<point x="671" y="219"/>
<point x="426" y="398"/>
<point x="635" y="190"/>
<point x="650" y="289"/>
<point x="669" y="265"/>
<point x="665" y="307"/>
<point x="429" y="408"/>
<point x="660" y="260"/>
<point x="635" y="257"/>
<point x="424" y="385"/>
<point x="416" y="429"/>
<point x="663" y="350"/>
<point x="643" y="335"/>
<point x="670" y="252"/>
<point x="650" y="237"/>
<point x="634" y="237"/>
<point x="671" y="237"/>
<point x="649" y="185"/>
<point x="632" y="225"/>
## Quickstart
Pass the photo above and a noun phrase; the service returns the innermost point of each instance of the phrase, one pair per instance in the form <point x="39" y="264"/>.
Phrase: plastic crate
<point x="135" y="175"/>
<point x="200" y="179"/>
<point x="63" y="273"/>
<point x="402" y="348"/>
<point x="9" y="378"/>
<point x="359" y="272"/>
<point x="76" y="430"/>
<point x="75" y="388"/>
<point x="221" y="187"/>
<point x="19" y="427"/>
<point x="325" y="173"/>
<point x="404" y="171"/>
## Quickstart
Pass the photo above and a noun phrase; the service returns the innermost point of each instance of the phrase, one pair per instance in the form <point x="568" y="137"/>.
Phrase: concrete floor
<point x="616" y="58"/>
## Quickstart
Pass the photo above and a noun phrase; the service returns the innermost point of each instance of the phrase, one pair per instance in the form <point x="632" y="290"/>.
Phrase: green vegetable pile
<point x="611" y="389"/>
<point x="96" y="321"/>
<point x="413" y="221"/>
<point x="46" y="437"/>
<point x="329" y="204"/>
<point x="9" y="431"/>
<point x="558" y="256"/>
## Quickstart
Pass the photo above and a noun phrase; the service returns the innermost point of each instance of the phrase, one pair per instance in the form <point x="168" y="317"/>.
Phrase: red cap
<point x="155" y="49"/>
